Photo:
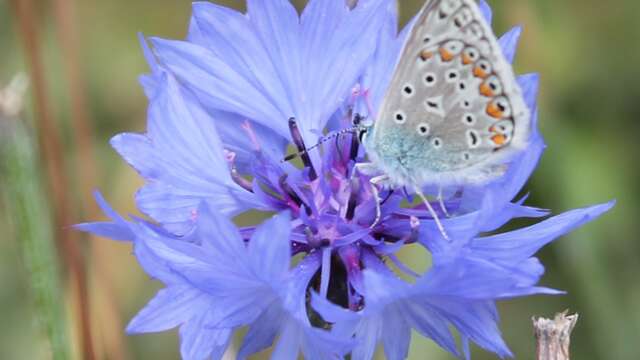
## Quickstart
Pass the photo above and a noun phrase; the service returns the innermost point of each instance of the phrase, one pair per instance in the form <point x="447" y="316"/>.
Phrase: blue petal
<point x="154" y="265"/>
<point x="430" y="323"/>
<point x="117" y="229"/>
<point x="228" y="125"/>
<point x="330" y="312"/>
<point x="478" y="279"/>
<point x="218" y="233"/>
<point x="529" y="84"/>
<point x="276" y="23"/>
<point x="396" y="336"/>
<point x="262" y="332"/>
<point x="476" y="320"/>
<point x="368" y="335"/>
<point x="231" y="128"/>
<point x="170" y="307"/>
<point x="336" y="48"/>
<point x="228" y="35"/>
<point x="198" y="342"/>
<point x="319" y="344"/>
<point x="288" y="345"/>
<point x="106" y="229"/>
<point x="381" y="68"/>
<point x="485" y="9"/>
<point x="270" y="248"/>
<point x="509" y="43"/>
<point x="183" y="156"/>
<point x="217" y="84"/>
<point x="242" y="306"/>
<point x="520" y="244"/>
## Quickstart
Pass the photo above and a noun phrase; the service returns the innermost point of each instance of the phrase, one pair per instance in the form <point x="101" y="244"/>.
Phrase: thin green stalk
<point x="24" y="198"/>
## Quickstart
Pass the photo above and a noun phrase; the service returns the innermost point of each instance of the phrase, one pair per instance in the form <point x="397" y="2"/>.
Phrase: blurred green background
<point x="588" y="54"/>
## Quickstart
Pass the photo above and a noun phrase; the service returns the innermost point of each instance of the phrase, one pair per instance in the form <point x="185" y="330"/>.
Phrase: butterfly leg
<point x="433" y="214"/>
<point x="376" y="196"/>
<point x="369" y="169"/>
<point x="441" y="201"/>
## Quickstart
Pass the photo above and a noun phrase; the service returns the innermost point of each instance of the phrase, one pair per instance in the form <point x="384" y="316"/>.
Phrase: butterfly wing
<point x="453" y="109"/>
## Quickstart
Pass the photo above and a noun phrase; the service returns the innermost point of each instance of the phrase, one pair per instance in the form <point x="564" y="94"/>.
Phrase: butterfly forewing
<point x="453" y="103"/>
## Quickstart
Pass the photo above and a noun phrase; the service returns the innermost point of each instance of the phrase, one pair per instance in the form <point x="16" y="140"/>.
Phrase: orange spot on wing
<point x="499" y="139"/>
<point x="426" y="55"/>
<point x="466" y="59"/>
<point x="494" y="111"/>
<point x="478" y="72"/>
<point x="485" y="90"/>
<point x="446" y="56"/>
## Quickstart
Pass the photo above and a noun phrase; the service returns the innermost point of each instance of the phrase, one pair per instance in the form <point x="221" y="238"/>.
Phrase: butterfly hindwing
<point x="453" y="105"/>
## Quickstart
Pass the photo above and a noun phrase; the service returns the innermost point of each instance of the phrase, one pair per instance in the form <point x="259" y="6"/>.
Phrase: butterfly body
<point x="453" y="112"/>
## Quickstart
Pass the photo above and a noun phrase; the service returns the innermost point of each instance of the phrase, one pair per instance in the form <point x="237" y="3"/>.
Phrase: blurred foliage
<point x="587" y="52"/>
<point x="22" y="192"/>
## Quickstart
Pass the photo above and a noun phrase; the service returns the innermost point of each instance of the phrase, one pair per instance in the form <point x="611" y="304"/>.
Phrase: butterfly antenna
<point x="433" y="214"/>
<point x="322" y="140"/>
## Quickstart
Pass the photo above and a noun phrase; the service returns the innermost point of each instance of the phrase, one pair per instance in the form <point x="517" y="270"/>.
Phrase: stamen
<point x="355" y="93"/>
<point x="230" y="156"/>
<point x="302" y="150"/>
<point x="246" y="126"/>
<point x="244" y="183"/>
<point x="353" y="199"/>
<point x="288" y="190"/>
<point x="367" y="99"/>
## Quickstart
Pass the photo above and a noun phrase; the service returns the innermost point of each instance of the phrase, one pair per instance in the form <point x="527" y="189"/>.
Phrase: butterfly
<point x="453" y="112"/>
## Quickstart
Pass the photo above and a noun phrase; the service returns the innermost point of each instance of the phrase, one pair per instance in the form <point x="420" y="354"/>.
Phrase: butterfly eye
<point x="499" y="108"/>
<point x="423" y="129"/>
<point x="482" y="69"/>
<point x="470" y="55"/>
<point x="451" y="49"/>
<point x="491" y="87"/>
<point x="400" y="117"/>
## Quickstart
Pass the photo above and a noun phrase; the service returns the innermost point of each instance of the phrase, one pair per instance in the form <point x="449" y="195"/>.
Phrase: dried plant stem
<point x="87" y="173"/>
<point x="554" y="336"/>
<point x="58" y="183"/>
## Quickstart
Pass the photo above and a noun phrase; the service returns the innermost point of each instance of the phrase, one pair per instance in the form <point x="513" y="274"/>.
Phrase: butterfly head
<point x="362" y="127"/>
